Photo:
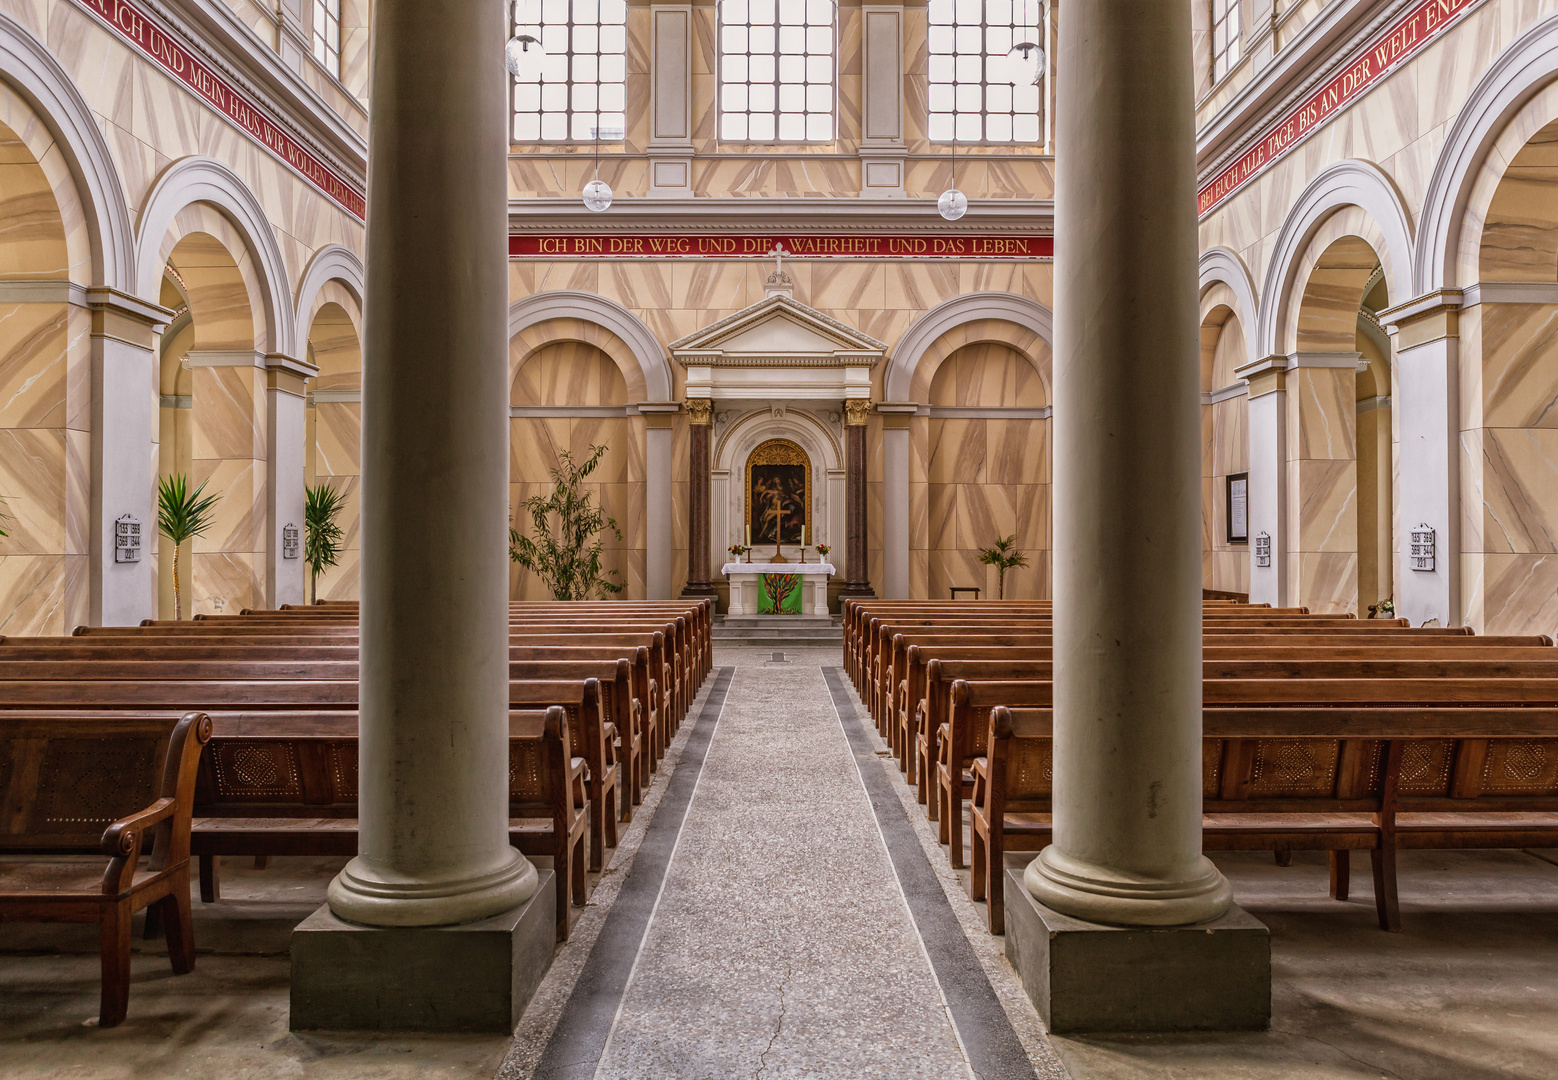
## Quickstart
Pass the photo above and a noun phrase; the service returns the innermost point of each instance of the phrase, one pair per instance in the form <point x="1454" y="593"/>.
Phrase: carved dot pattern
<point x="253" y="767"/>
<point x="1425" y="766"/>
<point x="1525" y="760"/>
<point x="1301" y="766"/>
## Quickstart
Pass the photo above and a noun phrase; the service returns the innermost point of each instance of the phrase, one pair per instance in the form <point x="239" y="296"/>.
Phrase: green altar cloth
<point x="780" y="594"/>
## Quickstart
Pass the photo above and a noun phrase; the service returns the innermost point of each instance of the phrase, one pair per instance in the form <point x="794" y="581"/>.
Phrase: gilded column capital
<point x="857" y="411"/>
<point x="700" y="410"/>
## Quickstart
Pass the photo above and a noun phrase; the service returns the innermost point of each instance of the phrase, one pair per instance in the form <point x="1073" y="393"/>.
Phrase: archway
<point x="335" y="430"/>
<point x="1225" y="459"/>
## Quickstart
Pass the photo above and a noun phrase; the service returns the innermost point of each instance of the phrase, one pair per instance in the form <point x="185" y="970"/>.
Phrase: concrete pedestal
<point x="1082" y="976"/>
<point x="473" y="977"/>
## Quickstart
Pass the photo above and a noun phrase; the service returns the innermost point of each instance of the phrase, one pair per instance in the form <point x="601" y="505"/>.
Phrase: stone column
<point x="1127" y="696"/>
<point x="1427" y="401"/>
<point x="124" y="430"/>
<point x="286" y="476"/>
<point x="857" y="578"/>
<point x="700" y="417"/>
<point x="1268" y="480"/>
<point x="433" y="737"/>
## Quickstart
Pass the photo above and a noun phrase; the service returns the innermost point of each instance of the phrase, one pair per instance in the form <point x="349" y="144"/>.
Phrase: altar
<point x="748" y="582"/>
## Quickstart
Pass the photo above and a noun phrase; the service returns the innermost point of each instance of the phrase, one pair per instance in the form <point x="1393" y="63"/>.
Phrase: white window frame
<point x="732" y="63"/>
<point x="560" y="37"/>
<point x="327" y="36"/>
<point x="995" y="37"/>
<point x="1227" y="52"/>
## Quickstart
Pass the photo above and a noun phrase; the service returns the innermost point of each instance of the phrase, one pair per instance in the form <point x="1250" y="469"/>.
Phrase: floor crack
<point x="762" y="1059"/>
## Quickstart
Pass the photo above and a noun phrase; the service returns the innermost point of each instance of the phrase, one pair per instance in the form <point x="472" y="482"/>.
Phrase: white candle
<point x="749" y="534"/>
<point x="803" y="536"/>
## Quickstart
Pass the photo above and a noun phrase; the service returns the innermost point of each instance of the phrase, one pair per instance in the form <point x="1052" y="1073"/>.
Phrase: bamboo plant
<point x="565" y="545"/>
<point x="182" y="515"/>
<point x="322" y="544"/>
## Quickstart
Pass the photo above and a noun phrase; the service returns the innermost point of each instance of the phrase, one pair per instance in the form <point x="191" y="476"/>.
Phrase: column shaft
<point x="857" y="580"/>
<point x="1127" y="799"/>
<point x="701" y="416"/>
<point x="433" y="739"/>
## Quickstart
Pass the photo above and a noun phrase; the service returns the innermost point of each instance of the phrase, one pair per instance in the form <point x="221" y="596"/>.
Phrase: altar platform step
<point x="779" y="631"/>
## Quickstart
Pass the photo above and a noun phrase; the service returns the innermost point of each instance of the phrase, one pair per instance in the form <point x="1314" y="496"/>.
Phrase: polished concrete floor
<point x="778" y="910"/>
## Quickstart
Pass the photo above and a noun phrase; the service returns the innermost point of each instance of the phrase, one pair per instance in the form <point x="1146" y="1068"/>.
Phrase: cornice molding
<point x="1320" y="50"/>
<point x="792" y="215"/>
<point x="212" y="31"/>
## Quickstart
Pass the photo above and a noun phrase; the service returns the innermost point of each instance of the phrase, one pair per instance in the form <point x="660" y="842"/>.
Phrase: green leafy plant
<point x="565" y="548"/>
<point x="4" y="517"/>
<point x="182" y="515"/>
<point x="322" y="540"/>
<point x="1003" y="556"/>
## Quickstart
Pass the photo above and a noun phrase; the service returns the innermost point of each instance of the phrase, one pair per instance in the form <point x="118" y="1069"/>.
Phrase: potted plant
<point x="822" y="552"/>
<point x="738" y="550"/>
<point x="182" y="515"/>
<point x="1003" y="556"/>
<point x="566" y="546"/>
<point x="1385" y="609"/>
<point x="322" y="545"/>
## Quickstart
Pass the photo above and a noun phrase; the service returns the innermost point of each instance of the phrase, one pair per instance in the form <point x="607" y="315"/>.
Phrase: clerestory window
<point x="327" y="35"/>
<point x="973" y="93"/>
<point x="1225" y="37"/>
<point x="576" y="89"/>
<point x="776" y="70"/>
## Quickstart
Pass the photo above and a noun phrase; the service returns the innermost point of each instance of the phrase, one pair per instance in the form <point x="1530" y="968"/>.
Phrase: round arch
<point x="330" y="263"/>
<point x="1343" y="184"/>
<point x="204" y="180"/>
<point x="25" y="64"/>
<point x="571" y="303"/>
<point x="1516" y="76"/>
<point x="1218" y="265"/>
<point x="917" y="341"/>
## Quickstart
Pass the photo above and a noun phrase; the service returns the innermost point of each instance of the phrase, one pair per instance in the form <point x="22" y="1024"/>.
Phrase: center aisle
<point x="781" y="944"/>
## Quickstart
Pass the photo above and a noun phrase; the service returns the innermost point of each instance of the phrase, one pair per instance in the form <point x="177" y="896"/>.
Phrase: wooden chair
<point x="64" y="781"/>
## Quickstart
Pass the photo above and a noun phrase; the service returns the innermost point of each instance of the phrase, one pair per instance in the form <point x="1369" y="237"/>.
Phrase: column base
<point x="699" y="590"/>
<point x="474" y="977"/>
<point x="857" y="590"/>
<point x="1087" y="977"/>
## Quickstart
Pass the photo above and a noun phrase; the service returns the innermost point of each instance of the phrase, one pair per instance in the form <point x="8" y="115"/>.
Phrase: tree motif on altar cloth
<point x="778" y="493"/>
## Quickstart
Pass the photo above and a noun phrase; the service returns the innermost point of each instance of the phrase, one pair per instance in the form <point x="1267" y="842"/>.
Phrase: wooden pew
<point x="1337" y="779"/>
<point x="118" y="787"/>
<point x="285" y="783"/>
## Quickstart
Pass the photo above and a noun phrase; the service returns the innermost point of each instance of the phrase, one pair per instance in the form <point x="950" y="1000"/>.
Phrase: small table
<point x="746" y="580"/>
<point x="955" y="589"/>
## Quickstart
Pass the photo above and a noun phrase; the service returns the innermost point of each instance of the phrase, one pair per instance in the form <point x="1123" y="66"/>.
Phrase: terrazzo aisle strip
<point x="993" y="1048"/>
<point x="574" y="1049"/>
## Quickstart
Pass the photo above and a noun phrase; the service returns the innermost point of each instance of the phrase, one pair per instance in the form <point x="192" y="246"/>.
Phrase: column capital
<point x="1265" y="376"/>
<point x="128" y="318"/>
<point x="1430" y="317"/>
<point x="857" y="411"/>
<point x="700" y="411"/>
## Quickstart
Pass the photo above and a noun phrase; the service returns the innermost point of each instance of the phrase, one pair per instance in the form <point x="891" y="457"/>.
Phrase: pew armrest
<point x="124" y="840"/>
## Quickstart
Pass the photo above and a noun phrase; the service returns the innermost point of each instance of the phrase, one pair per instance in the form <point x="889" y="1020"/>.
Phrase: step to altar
<point x="779" y="631"/>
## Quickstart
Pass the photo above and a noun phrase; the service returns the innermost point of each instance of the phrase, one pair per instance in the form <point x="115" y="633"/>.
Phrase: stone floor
<point x="779" y="907"/>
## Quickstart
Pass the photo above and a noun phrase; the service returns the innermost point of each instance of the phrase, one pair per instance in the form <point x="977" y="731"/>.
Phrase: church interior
<point x="977" y="538"/>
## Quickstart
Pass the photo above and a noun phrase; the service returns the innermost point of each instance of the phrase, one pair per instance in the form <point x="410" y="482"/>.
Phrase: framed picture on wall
<point x="1237" y="505"/>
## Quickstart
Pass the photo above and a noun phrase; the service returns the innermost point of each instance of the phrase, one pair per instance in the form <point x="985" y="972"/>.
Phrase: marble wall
<point x="1225" y="445"/>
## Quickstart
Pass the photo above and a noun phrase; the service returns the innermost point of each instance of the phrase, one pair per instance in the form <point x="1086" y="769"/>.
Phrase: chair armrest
<point x="124" y="836"/>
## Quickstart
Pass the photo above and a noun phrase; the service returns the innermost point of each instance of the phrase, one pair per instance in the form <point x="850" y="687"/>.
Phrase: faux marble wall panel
<point x="1322" y="488"/>
<point x="1520" y="232"/>
<point x="228" y="453"/>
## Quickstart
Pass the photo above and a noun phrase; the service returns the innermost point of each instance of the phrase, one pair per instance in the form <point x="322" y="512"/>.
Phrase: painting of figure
<point x="777" y="503"/>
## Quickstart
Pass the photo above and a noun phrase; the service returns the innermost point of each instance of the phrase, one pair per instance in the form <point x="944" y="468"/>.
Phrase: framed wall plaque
<point x="1236" y="504"/>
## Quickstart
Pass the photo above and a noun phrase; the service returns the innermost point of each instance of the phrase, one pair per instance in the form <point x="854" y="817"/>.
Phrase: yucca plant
<point x="1004" y="556"/>
<point x="567" y="553"/>
<point x="182" y="515"/>
<point x="322" y="544"/>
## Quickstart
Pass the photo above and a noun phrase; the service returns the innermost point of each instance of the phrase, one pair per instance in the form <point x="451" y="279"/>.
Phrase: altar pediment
<point x="778" y="347"/>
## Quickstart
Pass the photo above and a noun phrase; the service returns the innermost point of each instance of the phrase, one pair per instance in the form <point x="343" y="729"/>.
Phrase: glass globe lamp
<point x="1024" y="64"/>
<point x="952" y="205"/>
<point x="597" y="195"/>
<point x="521" y="53"/>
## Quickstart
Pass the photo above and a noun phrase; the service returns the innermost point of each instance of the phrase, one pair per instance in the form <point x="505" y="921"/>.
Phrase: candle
<point x="803" y="536"/>
<point x="749" y="534"/>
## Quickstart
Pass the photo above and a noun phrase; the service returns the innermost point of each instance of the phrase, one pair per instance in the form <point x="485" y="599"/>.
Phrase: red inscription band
<point x="135" y="27"/>
<point x="799" y="247"/>
<point x="1407" y="36"/>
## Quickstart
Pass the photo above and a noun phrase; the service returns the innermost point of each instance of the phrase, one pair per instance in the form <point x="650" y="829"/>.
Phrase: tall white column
<point x="1427" y="403"/>
<point x="433" y="741"/>
<point x="286" y="478"/>
<point x="124" y="430"/>
<point x="1127" y="700"/>
<point x="1268" y="502"/>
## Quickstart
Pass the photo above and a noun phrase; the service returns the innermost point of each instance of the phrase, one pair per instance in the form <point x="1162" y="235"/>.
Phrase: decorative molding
<point x="1373" y="403"/>
<point x="1424" y="306"/>
<point x="210" y="82"/>
<point x="1344" y="183"/>
<point x="851" y="347"/>
<point x="1227" y="393"/>
<point x="31" y="69"/>
<point x="43" y="291"/>
<point x="1509" y="292"/>
<point x="857" y="411"/>
<point x="337" y="397"/>
<point x="330" y="263"/>
<point x="984" y="412"/>
<point x="1338" y="360"/>
<point x="1516" y="75"/>
<point x="701" y="214"/>
<point x="575" y="304"/>
<point x="950" y="314"/>
<point x="199" y="179"/>
<point x="246" y="358"/>
<point x="559" y="412"/>
<point x="175" y="401"/>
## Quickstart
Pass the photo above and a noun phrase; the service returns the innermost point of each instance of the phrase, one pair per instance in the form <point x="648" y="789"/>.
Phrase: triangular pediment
<point x="779" y="329"/>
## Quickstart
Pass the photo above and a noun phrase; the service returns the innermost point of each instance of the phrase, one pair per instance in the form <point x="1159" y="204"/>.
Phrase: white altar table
<point x="745" y="583"/>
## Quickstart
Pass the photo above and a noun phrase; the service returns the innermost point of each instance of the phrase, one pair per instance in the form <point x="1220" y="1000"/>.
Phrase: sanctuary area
<point x="971" y="538"/>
